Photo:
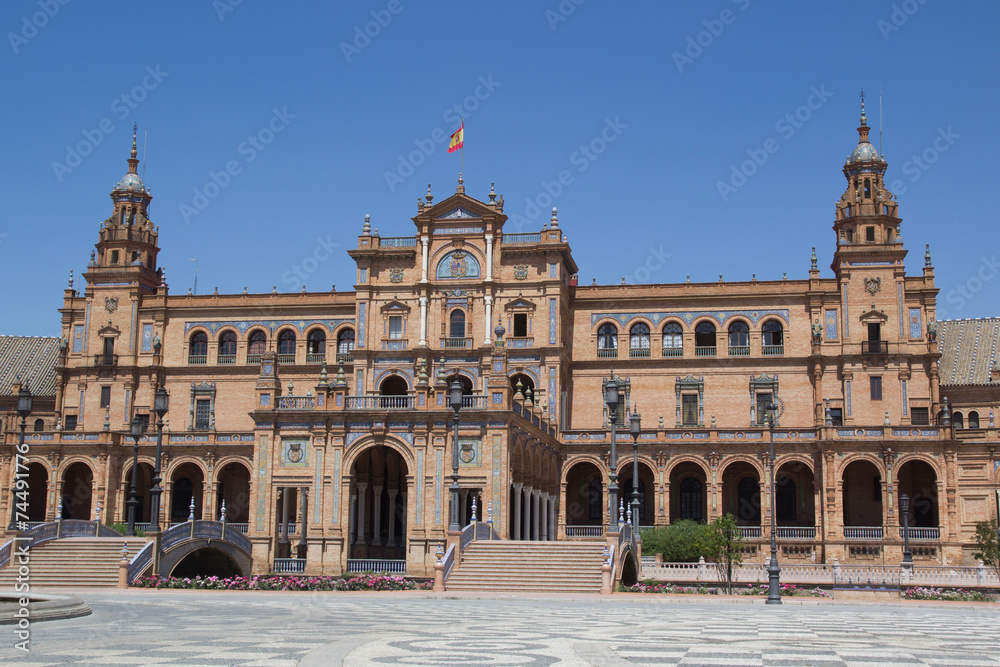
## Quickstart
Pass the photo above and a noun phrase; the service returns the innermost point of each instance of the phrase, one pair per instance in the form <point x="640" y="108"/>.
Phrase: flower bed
<point x="364" y="582"/>
<point x="787" y="590"/>
<point x="952" y="594"/>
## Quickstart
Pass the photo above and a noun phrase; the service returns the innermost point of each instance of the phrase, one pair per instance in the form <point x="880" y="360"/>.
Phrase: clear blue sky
<point x="680" y="91"/>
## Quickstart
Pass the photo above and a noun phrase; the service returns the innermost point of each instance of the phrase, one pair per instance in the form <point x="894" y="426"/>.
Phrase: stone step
<point x="74" y="561"/>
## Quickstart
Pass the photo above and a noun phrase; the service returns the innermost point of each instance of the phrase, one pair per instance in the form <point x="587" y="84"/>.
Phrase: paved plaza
<point x="216" y="628"/>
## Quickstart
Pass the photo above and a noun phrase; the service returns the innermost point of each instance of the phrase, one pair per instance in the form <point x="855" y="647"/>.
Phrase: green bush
<point x="680" y="542"/>
<point x="123" y="528"/>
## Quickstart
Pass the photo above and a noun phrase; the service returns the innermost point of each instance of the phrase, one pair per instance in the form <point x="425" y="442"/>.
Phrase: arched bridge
<point x="182" y="540"/>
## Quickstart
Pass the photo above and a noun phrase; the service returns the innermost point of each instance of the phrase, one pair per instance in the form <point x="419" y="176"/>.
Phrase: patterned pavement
<point x="215" y="628"/>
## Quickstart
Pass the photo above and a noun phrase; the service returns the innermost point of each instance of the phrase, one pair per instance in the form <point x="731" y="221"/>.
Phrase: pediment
<point x="873" y="316"/>
<point x="109" y="331"/>
<point x="395" y="306"/>
<point x="520" y="304"/>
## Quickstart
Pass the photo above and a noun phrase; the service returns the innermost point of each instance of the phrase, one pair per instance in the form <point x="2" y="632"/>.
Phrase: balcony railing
<point x="584" y="531"/>
<point x="105" y="359"/>
<point x="863" y="532"/>
<point x="197" y="359"/>
<point x="520" y="342"/>
<point x="750" y="532"/>
<point x="607" y="353"/>
<point x="795" y="532"/>
<point x="227" y="359"/>
<point x="474" y="401"/>
<point x="394" y="344"/>
<point x="398" y="242"/>
<point x="379" y="566"/>
<point x="289" y="565"/>
<point x="773" y="350"/>
<point x="253" y="358"/>
<point x="456" y="343"/>
<point x="638" y="353"/>
<point x="739" y="350"/>
<point x="704" y="351"/>
<point x="296" y="403"/>
<point x="673" y="352"/>
<point x="345" y="357"/>
<point x="922" y="533"/>
<point x="379" y="402"/>
<point x="522" y="238"/>
<point x="315" y="357"/>
<point x="286" y="358"/>
<point x="875" y="347"/>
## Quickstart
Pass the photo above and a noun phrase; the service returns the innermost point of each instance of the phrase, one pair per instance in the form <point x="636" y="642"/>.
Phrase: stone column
<point x="392" y="516"/>
<point x="543" y="510"/>
<point x="352" y="523"/>
<point x="463" y="498"/>
<point x="283" y="543"/>
<point x="377" y="515"/>
<point x="526" y="517"/>
<point x="515" y="533"/>
<point x="423" y="319"/>
<point x="489" y="319"/>
<point x="552" y="518"/>
<point x="168" y="503"/>
<point x="360" y="527"/>
<point x="425" y="243"/>
<point x="536" y="515"/>
<point x="489" y="263"/>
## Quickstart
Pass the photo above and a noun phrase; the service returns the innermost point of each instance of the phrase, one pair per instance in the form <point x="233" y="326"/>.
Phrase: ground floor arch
<point x="688" y="493"/>
<point x="77" y="492"/>
<point x="862" y="494"/>
<point x="584" y="495"/>
<point x="918" y="480"/>
<point x="38" y="491"/>
<point x="207" y="562"/>
<point x="646" y="487"/>
<point x="187" y="483"/>
<point x="233" y="489"/>
<point x="143" y="484"/>
<point x="741" y="493"/>
<point x="379" y="488"/>
<point x="794" y="495"/>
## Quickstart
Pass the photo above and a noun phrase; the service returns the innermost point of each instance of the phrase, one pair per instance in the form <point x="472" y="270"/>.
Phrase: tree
<point x="722" y="544"/>
<point x="988" y="544"/>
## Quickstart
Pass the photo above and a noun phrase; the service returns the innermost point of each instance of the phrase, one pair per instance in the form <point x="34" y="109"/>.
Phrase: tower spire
<point x="133" y="161"/>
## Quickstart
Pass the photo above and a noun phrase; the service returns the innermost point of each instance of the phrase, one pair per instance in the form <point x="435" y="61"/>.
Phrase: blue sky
<point x="644" y="107"/>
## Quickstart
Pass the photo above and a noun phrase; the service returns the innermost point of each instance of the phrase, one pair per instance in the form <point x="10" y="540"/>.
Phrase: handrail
<point x="449" y="561"/>
<point x="611" y="561"/>
<point x="468" y="536"/>
<point x="54" y="530"/>
<point x="5" y="551"/>
<point x="140" y="562"/>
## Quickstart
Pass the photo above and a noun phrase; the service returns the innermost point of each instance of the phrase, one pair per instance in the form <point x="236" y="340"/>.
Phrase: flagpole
<point x="461" y="157"/>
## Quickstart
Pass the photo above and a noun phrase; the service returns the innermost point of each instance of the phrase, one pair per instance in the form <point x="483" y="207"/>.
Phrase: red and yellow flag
<point x="456" y="139"/>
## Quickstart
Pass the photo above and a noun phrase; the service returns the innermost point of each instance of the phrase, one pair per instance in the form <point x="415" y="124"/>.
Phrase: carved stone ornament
<point x="520" y="271"/>
<point x="873" y="285"/>
<point x="111" y="303"/>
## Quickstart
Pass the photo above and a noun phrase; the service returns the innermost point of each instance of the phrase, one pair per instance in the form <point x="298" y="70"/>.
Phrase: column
<point x="489" y="258"/>
<point x="392" y="516"/>
<point x="526" y="517"/>
<point x="536" y="515"/>
<point x="283" y="531"/>
<point x="303" y="526"/>
<point x="377" y="515"/>
<point x="360" y="527"/>
<point x="515" y="533"/>
<point x="168" y="503"/>
<point x="425" y="243"/>
<point x="423" y="318"/>
<point x="489" y="319"/>
<point x="351" y="522"/>
<point x="552" y="518"/>
<point x="543" y="530"/>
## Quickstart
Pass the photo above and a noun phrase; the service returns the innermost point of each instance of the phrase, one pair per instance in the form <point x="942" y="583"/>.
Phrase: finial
<point x="341" y="378"/>
<point x="493" y="195"/>
<point x="274" y="289"/>
<point x="222" y="518"/>
<point x="555" y="218"/>
<point x="71" y="279"/>
<point x="927" y="256"/>
<point x="367" y="229"/>
<point x="303" y="289"/>
<point x="813" y="265"/>
<point x="322" y="375"/>
<point x="97" y="512"/>
<point x="107" y="419"/>
<point x="191" y="507"/>
<point x="429" y="197"/>
<point x="473" y="518"/>
<point x="461" y="184"/>
<point x="864" y="120"/>
<point x="92" y="262"/>
<point x="244" y="289"/>
<point x="135" y="128"/>
<point x="216" y="290"/>
<point x="621" y="511"/>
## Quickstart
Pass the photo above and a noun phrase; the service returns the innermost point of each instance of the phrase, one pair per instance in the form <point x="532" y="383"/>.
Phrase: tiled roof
<point x="33" y="358"/>
<point x="968" y="350"/>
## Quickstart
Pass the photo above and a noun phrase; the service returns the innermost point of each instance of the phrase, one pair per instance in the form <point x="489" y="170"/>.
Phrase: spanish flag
<point x="456" y="139"/>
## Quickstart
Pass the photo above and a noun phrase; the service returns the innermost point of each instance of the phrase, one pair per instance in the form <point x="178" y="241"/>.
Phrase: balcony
<point x="394" y="344"/>
<point x="673" y="352"/>
<point x="345" y="358"/>
<point x="106" y="360"/>
<point x="514" y="239"/>
<point x="227" y="359"/>
<point x="456" y="343"/>
<point x="875" y="347"/>
<point x="197" y="359"/>
<point x="253" y="359"/>
<point x="378" y="402"/>
<point x="286" y="358"/>
<point x="750" y="532"/>
<point x="739" y="350"/>
<point x="795" y="532"/>
<point x="296" y="403"/>
<point x="477" y="402"/>
<point x="863" y="532"/>
<point x="773" y="350"/>
<point x="315" y="357"/>
<point x="607" y="353"/>
<point x="520" y="342"/>
<point x="638" y="353"/>
<point x="704" y="351"/>
<point x="398" y="242"/>
<point x="922" y="533"/>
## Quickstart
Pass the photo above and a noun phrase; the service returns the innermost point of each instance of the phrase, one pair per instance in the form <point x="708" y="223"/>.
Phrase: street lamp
<point x="635" y="427"/>
<point x="611" y="401"/>
<point x="773" y="571"/>
<point x="904" y="506"/>
<point x="23" y="409"/>
<point x="455" y="401"/>
<point x="161" y="404"/>
<point x="132" y="500"/>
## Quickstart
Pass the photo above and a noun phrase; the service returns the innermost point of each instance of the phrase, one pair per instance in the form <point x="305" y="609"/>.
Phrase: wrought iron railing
<point x="607" y="353"/>
<point x="584" y="531"/>
<point x="379" y="402"/>
<point x="773" y="350"/>
<point x="105" y="359"/>
<point x="673" y="352"/>
<point x="875" y="347"/>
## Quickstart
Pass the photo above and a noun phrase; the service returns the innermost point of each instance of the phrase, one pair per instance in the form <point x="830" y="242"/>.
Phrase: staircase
<point x="72" y="561"/>
<point x="525" y="567"/>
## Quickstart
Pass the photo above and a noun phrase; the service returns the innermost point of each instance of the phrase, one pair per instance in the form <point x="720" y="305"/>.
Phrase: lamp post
<point x="161" y="404"/>
<point x="455" y="401"/>
<point x="611" y="401"/>
<point x="773" y="571"/>
<point x="635" y="427"/>
<point x="132" y="500"/>
<point x="904" y="507"/>
<point x="24" y="401"/>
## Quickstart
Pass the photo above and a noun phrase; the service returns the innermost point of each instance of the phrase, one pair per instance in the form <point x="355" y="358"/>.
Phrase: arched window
<point x="198" y="351"/>
<point x="316" y="346"/>
<point x="227" y="348"/>
<point x="607" y="341"/>
<point x="691" y="496"/>
<point x="526" y="383"/>
<point x="673" y="340"/>
<point x="256" y="347"/>
<point x="39" y="425"/>
<point x="286" y="347"/>
<point x="739" y="339"/>
<point x="345" y="345"/>
<point x="704" y="340"/>
<point x="456" y="324"/>
<point x="774" y="338"/>
<point x="958" y="419"/>
<point x="638" y="340"/>
<point x="973" y="419"/>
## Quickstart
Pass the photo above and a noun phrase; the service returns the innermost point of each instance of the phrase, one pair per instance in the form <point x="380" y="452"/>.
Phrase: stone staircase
<point x="525" y="567"/>
<point x="73" y="561"/>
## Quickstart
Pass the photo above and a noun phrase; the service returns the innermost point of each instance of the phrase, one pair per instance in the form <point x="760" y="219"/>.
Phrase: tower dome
<point x="130" y="182"/>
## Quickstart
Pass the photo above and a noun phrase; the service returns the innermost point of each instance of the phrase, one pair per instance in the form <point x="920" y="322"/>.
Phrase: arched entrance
<point x="526" y="384"/>
<point x="143" y="483"/>
<point x="38" y="491"/>
<point x="647" y="510"/>
<point x="378" y="504"/>
<point x="188" y="482"/>
<point x="234" y="490"/>
<point x="794" y="495"/>
<point x="584" y="496"/>
<point x="688" y="497"/>
<point x="207" y="562"/>
<point x="741" y="493"/>
<point x="77" y="490"/>
<point x="918" y="480"/>
<point x="467" y="387"/>
<point x="862" y="494"/>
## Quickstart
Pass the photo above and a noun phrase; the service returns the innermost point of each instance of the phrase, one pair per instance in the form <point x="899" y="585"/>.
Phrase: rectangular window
<point x="920" y="416"/>
<point x="520" y="325"/>
<point x="105" y="397"/>
<point x="114" y="256"/>
<point x="70" y="423"/>
<point x="395" y="326"/>
<point x="875" y="331"/>
<point x="202" y="412"/>
<point x="689" y="409"/>
<point x="837" y="416"/>
<point x="876" y="387"/>
<point x="145" y="422"/>
<point x="850" y="236"/>
<point x="870" y="234"/>
<point x="763" y="400"/>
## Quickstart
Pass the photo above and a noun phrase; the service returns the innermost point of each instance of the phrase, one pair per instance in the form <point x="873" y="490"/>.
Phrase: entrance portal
<point x="378" y="505"/>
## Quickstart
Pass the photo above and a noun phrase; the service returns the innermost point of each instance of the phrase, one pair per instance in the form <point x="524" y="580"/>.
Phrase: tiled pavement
<point x="214" y="628"/>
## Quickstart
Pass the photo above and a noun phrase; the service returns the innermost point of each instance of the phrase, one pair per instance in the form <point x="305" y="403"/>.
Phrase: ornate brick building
<point x="322" y="419"/>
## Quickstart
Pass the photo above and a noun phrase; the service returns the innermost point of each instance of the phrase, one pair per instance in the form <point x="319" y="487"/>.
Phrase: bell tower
<point x="867" y="224"/>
